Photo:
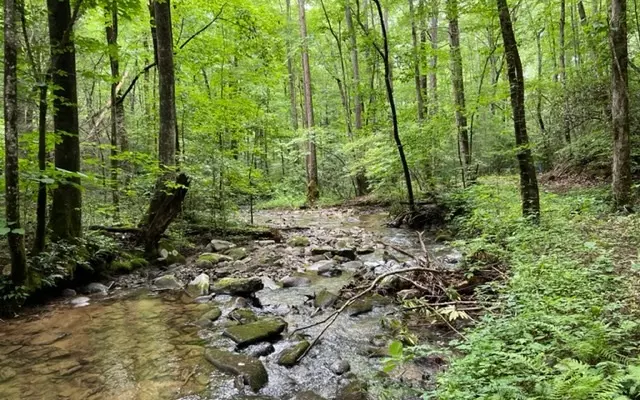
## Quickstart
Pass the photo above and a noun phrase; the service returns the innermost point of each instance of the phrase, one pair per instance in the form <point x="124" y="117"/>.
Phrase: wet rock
<point x="95" y="288"/>
<point x="209" y="317"/>
<point x="259" y="350"/>
<point x="265" y="242"/>
<point x="251" y="370"/>
<point x="340" y="367"/>
<point x="346" y="252"/>
<point x="316" y="258"/>
<point x="204" y="299"/>
<point x="167" y="282"/>
<point x="69" y="293"/>
<point x="6" y="374"/>
<point x="374" y="352"/>
<point x="324" y="265"/>
<point x="238" y="286"/>
<point x="199" y="286"/>
<point x="298" y="241"/>
<point x="295" y="281"/>
<point x="243" y="316"/>
<point x="208" y="260"/>
<point x="221" y="245"/>
<point x="365" y="250"/>
<point x="269" y="283"/>
<point x="254" y="332"/>
<point x="352" y="265"/>
<point x="408" y="294"/>
<point x="289" y="356"/>
<point x="354" y="390"/>
<point x="237" y="253"/>
<point x="308" y="395"/>
<point x="360" y="306"/>
<point x="80" y="301"/>
<point x="321" y="250"/>
<point x="324" y="299"/>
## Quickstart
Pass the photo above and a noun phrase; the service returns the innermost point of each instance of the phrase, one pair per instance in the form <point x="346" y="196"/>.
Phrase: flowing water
<point x="139" y="344"/>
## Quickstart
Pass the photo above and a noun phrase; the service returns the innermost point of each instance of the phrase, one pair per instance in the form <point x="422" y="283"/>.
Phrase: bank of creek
<point x="151" y="335"/>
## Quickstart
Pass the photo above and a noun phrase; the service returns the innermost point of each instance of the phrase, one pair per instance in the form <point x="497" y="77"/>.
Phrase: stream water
<point x="141" y="344"/>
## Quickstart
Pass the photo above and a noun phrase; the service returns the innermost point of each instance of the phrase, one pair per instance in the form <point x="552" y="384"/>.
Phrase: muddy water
<point x="140" y="345"/>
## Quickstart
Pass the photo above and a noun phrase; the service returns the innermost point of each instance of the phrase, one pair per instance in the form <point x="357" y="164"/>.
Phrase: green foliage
<point x="567" y="331"/>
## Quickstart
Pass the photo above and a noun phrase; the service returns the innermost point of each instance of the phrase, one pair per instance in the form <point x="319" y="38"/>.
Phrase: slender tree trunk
<point x="433" y="62"/>
<point x="12" y="174"/>
<point x="112" y="41"/>
<point x="291" y="72"/>
<point x="362" y="186"/>
<point x="66" y="210"/>
<point x="384" y="53"/>
<point x="41" y="208"/>
<point x="416" y="62"/>
<point x="313" y="192"/>
<point x="543" y="131"/>
<point x="563" y="71"/>
<point x="457" y="80"/>
<point x="621" y="169"/>
<point x="528" y="179"/>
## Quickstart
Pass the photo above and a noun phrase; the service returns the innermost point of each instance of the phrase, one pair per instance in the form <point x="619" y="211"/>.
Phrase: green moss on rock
<point x="289" y="356"/>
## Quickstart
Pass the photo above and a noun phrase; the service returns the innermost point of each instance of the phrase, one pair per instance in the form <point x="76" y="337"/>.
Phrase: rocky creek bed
<point x="218" y="326"/>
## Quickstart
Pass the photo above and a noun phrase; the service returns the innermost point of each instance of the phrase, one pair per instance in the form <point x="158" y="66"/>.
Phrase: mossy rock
<point x="324" y="299"/>
<point x="212" y="258"/>
<point x="299" y="241"/>
<point x="354" y="390"/>
<point x="255" y="332"/>
<point x="243" y="315"/>
<point x="251" y="370"/>
<point x="360" y="306"/>
<point x="444" y="235"/>
<point x="209" y="317"/>
<point x="237" y="253"/>
<point x="238" y="286"/>
<point x="289" y="356"/>
<point x="128" y="265"/>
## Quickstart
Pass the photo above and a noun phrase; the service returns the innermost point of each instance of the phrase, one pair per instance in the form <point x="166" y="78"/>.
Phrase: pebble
<point x="340" y="367"/>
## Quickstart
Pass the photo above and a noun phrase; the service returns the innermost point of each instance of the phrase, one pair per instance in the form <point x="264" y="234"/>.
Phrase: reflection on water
<point x="138" y="348"/>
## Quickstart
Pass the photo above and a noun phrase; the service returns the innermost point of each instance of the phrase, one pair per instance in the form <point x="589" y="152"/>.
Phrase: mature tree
<point x="620" y="104"/>
<point x="291" y="81"/>
<point x="416" y="62"/>
<point x="528" y="179"/>
<point x="563" y="70"/>
<point x="66" y="210"/>
<point x="12" y="175"/>
<point x="112" y="40"/>
<point x="313" y="192"/>
<point x="457" y="80"/>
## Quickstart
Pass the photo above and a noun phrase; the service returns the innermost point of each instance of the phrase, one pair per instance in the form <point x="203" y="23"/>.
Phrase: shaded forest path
<point x="144" y="338"/>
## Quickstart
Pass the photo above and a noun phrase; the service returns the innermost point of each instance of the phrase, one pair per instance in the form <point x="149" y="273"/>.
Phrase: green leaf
<point x="18" y="231"/>
<point x="4" y="230"/>
<point x="395" y="349"/>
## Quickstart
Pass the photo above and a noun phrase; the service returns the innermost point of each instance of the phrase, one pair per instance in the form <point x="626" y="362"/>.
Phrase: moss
<point x="299" y="241"/>
<point x="213" y="258"/>
<point x="289" y="356"/>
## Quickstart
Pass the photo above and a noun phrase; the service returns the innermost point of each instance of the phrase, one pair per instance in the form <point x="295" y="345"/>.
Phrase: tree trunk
<point x="166" y="202"/>
<point x="12" y="174"/>
<point x="416" y="62"/>
<point x="433" y="62"/>
<point x="112" y="41"/>
<point x="563" y="71"/>
<point x="384" y="53"/>
<point x="621" y="169"/>
<point x="41" y="208"/>
<point x="66" y="210"/>
<point x="528" y="179"/>
<point x="457" y="80"/>
<point x="291" y="72"/>
<point x="313" y="192"/>
<point x="543" y="132"/>
<point x="362" y="186"/>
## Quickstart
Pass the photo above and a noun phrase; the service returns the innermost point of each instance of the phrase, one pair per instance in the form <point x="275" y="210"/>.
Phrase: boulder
<point x="254" y="332"/>
<point x="243" y="316"/>
<point x="298" y="241"/>
<point x="289" y="356"/>
<point x="237" y="253"/>
<point x="346" y="252"/>
<point x="409" y="294"/>
<point x="69" y="293"/>
<point x="80" y="301"/>
<point x="238" y="286"/>
<point x="360" y="306"/>
<point x="354" y="390"/>
<point x="324" y="299"/>
<point x="95" y="288"/>
<point x="365" y="250"/>
<point x="249" y="369"/>
<point x="324" y="265"/>
<point x="208" y="260"/>
<point x="318" y="257"/>
<point x="321" y="250"/>
<point x="209" y="317"/>
<point x="352" y="265"/>
<point x="340" y="367"/>
<point x="259" y="350"/>
<point x="199" y="286"/>
<point x="265" y="242"/>
<point x="167" y="282"/>
<point x="221" y="245"/>
<point x="295" y="281"/>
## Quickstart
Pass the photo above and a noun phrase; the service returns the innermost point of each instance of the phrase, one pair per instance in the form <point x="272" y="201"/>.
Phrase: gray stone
<point x="322" y="265"/>
<point x="298" y="241"/>
<point x="95" y="288"/>
<point x="69" y="293"/>
<point x="221" y="245"/>
<point x="346" y="252"/>
<point x="251" y="370"/>
<point x="340" y="367"/>
<point x="265" y="242"/>
<point x="324" y="299"/>
<point x="408" y="294"/>
<point x="237" y="253"/>
<point x="308" y="395"/>
<point x="208" y="260"/>
<point x="259" y="350"/>
<point x="254" y="332"/>
<point x="80" y="301"/>
<point x="365" y="250"/>
<point x="360" y="306"/>
<point x="238" y="286"/>
<point x="167" y="282"/>
<point x="243" y="316"/>
<point x="354" y="390"/>
<point x="318" y="257"/>
<point x="289" y="356"/>
<point x="352" y="265"/>
<point x="295" y="281"/>
<point x="209" y="317"/>
<point x="321" y="250"/>
<point x="199" y="286"/>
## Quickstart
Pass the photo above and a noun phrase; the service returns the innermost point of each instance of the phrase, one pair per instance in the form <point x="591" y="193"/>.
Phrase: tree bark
<point x="433" y="62"/>
<point x="384" y="53"/>
<point x="528" y="179"/>
<point x="563" y="71"/>
<point x="313" y="193"/>
<point x="111" y="31"/>
<point x="12" y="174"/>
<point x="66" y="210"/>
<point x="416" y="62"/>
<point x="621" y="169"/>
<point x="457" y="80"/>
<point x="291" y="73"/>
